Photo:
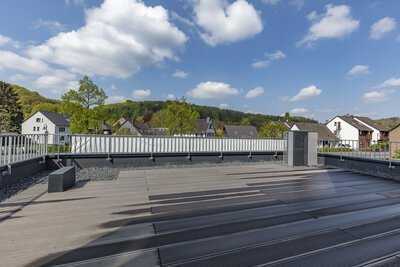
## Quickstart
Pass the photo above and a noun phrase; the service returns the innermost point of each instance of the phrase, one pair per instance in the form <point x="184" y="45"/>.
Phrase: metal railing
<point x="23" y="147"/>
<point x="382" y="150"/>
<point x="14" y="148"/>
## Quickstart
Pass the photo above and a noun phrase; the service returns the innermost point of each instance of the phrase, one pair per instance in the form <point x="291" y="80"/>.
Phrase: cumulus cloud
<point x="269" y="58"/>
<point x="13" y="61"/>
<point x="392" y="82"/>
<point x="382" y="92"/>
<point x="51" y="25"/>
<point x="223" y="106"/>
<point x="258" y="91"/>
<point x="115" y="99"/>
<point x="306" y="93"/>
<point x="336" y="22"/>
<point x="299" y="111"/>
<point x="142" y="93"/>
<point x="4" y="40"/>
<point x="212" y="90"/>
<point x="271" y="2"/>
<point x="383" y="26"/>
<point x="359" y="70"/>
<point x="223" y="22"/>
<point x="171" y="97"/>
<point x="180" y="74"/>
<point x="375" y="96"/>
<point x="118" y="39"/>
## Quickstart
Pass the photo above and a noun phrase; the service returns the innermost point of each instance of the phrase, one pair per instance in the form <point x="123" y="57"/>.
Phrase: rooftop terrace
<point x="243" y="215"/>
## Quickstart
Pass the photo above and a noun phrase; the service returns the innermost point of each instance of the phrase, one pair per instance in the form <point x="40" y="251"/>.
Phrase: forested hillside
<point x="32" y="101"/>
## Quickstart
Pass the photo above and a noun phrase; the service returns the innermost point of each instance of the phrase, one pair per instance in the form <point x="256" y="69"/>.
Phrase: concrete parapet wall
<point x="379" y="168"/>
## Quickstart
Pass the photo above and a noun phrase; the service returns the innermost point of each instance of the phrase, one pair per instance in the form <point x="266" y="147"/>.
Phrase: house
<point x="129" y="127"/>
<point x="351" y="131"/>
<point x="240" y="131"/>
<point x="45" y="122"/>
<point x="324" y="134"/>
<point x="394" y="139"/>
<point x="126" y="126"/>
<point x="105" y="128"/>
<point x="205" y="127"/>
<point x="380" y="133"/>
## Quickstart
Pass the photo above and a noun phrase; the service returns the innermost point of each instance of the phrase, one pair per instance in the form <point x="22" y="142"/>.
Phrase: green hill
<point x="145" y="109"/>
<point x="29" y="99"/>
<point x="389" y="123"/>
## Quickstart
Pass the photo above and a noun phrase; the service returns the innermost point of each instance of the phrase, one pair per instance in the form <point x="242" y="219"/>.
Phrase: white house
<point x="380" y="133"/>
<point x="350" y="131"/>
<point x="44" y="122"/>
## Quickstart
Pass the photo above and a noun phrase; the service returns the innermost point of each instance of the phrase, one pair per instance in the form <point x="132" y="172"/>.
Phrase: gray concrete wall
<point x="379" y="168"/>
<point x="122" y="162"/>
<point x="21" y="170"/>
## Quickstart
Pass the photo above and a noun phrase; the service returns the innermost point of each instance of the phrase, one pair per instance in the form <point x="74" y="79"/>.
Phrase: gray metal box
<point x="302" y="148"/>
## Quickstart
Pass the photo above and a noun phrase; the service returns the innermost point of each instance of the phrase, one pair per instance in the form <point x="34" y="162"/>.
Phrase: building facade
<point x="53" y="124"/>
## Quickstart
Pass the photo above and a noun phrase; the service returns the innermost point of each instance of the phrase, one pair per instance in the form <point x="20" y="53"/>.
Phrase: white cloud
<point x="375" y="96"/>
<point x="118" y="39"/>
<point x="383" y="26"/>
<point x="180" y="74"/>
<point x="212" y="90"/>
<point x="58" y="79"/>
<point x="258" y="91"/>
<point x="336" y="22"/>
<point x="115" y="99"/>
<point x="299" y="111"/>
<point x="270" y="57"/>
<point x="260" y="64"/>
<point x="277" y="55"/>
<point x="223" y="106"/>
<point x="271" y="2"/>
<point x="297" y="3"/>
<point x="171" y="97"/>
<point x="13" y="61"/>
<point x="306" y="93"/>
<point x="75" y="2"/>
<point x="359" y="70"/>
<point x="53" y="26"/>
<point x="4" y="40"/>
<point x="392" y="82"/>
<point x="222" y="22"/>
<point x="142" y="93"/>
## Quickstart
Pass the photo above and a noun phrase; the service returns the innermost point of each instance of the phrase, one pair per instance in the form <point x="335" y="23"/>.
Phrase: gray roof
<point x="240" y="131"/>
<point x="372" y="123"/>
<point x="56" y="118"/>
<point x="350" y="120"/>
<point x="323" y="132"/>
<point x="202" y="125"/>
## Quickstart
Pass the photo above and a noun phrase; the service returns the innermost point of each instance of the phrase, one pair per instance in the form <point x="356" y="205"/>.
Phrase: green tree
<point x="88" y="95"/>
<point x="287" y="116"/>
<point x="11" y="115"/>
<point x="179" y="117"/>
<point x="245" y="121"/>
<point x="272" y="130"/>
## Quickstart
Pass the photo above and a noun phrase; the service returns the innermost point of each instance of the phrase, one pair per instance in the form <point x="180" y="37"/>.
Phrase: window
<point x="34" y="128"/>
<point x="38" y="120"/>
<point x="61" y="130"/>
<point x="62" y="138"/>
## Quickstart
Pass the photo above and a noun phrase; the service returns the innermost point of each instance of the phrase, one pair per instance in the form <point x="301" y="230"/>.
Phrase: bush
<point x="397" y="154"/>
<point x="381" y="146"/>
<point x="335" y="149"/>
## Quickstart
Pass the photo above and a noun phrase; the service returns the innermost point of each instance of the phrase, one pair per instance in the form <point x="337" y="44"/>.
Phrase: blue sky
<point x="312" y="58"/>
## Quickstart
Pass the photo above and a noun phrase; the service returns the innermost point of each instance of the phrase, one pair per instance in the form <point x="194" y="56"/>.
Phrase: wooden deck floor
<point x="263" y="214"/>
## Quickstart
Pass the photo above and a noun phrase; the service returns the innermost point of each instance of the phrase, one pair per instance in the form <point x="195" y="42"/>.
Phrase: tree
<point x="88" y="95"/>
<point x="287" y="116"/>
<point x="179" y="117"/>
<point x="272" y="130"/>
<point x="11" y="115"/>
